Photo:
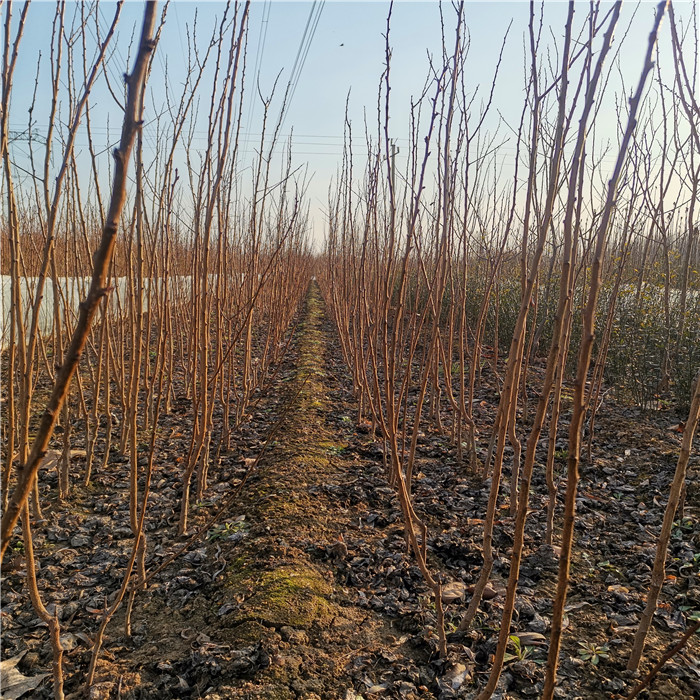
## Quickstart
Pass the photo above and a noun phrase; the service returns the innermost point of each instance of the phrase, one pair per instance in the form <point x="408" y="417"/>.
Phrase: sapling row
<point x="417" y="264"/>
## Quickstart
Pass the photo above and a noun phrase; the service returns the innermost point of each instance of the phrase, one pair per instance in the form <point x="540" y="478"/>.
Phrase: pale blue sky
<point x="346" y="54"/>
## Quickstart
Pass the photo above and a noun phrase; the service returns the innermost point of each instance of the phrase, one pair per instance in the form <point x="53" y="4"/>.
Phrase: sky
<point x="345" y="61"/>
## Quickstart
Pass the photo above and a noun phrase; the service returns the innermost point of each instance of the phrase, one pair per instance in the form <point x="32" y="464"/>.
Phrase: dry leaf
<point x="456" y="675"/>
<point x="453" y="591"/>
<point x="14" y="684"/>
<point x="532" y="639"/>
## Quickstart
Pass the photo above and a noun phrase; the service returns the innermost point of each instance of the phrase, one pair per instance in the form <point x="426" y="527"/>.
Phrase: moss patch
<point x="294" y="595"/>
<point x="247" y="633"/>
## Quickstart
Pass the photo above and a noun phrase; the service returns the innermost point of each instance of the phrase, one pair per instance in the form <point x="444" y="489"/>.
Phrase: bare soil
<point x="303" y="589"/>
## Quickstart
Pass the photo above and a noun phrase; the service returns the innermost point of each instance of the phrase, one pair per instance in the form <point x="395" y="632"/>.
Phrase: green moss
<point x="238" y="574"/>
<point x="277" y="694"/>
<point x="247" y="633"/>
<point x="292" y="595"/>
<point x="314" y="460"/>
<point x="332" y="446"/>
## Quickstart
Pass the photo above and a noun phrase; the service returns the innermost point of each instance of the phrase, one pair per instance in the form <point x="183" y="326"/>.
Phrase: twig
<point x="659" y="665"/>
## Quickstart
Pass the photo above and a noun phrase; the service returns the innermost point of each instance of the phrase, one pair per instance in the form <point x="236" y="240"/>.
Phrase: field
<point x="444" y="448"/>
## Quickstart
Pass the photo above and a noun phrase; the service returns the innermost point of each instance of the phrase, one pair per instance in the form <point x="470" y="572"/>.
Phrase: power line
<point x="253" y="135"/>
<point x="262" y="38"/>
<point x="302" y="52"/>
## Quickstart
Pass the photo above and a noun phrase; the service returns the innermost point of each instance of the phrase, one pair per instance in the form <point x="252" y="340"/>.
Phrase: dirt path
<point x="275" y="622"/>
